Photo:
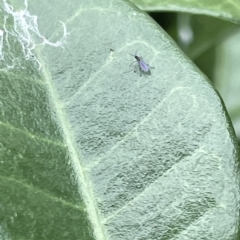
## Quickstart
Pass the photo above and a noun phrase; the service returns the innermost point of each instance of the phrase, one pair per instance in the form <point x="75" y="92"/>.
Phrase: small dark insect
<point x="111" y="52"/>
<point x="144" y="68"/>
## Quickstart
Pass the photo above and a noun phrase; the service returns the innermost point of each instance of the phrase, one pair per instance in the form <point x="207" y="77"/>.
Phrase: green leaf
<point x="225" y="9"/>
<point x="226" y="78"/>
<point x="92" y="150"/>
<point x="199" y="33"/>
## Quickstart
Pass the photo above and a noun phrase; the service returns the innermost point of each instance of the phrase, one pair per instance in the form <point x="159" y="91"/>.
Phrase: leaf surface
<point x="91" y="150"/>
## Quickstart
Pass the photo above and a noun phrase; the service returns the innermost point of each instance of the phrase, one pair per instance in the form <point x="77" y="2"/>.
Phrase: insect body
<point x="142" y="65"/>
<point x="144" y="68"/>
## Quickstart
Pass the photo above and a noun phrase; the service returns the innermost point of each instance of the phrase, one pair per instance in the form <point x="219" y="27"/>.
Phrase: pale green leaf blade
<point x="225" y="9"/>
<point x="39" y="197"/>
<point x="153" y="157"/>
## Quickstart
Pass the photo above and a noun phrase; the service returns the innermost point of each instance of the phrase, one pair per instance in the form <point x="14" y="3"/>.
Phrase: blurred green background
<point x="214" y="46"/>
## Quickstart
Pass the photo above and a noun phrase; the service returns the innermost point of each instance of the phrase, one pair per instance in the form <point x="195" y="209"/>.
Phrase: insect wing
<point x="144" y="67"/>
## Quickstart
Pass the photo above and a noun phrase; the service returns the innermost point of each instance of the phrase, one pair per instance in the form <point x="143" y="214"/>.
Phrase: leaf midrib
<point x="83" y="183"/>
